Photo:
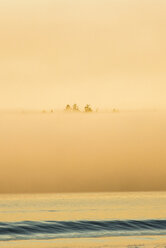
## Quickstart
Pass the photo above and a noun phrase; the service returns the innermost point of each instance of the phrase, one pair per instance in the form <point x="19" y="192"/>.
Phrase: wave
<point x="79" y="229"/>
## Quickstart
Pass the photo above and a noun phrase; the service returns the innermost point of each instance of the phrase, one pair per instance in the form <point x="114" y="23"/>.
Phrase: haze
<point x="107" y="53"/>
<point x="110" y="53"/>
<point x="63" y="152"/>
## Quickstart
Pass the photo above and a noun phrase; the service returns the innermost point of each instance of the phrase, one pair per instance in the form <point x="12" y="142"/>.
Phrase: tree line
<point x="75" y="108"/>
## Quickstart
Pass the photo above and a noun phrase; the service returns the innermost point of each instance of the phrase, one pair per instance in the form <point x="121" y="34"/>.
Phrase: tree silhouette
<point x="75" y="107"/>
<point x="88" y="108"/>
<point x="68" y="108"/>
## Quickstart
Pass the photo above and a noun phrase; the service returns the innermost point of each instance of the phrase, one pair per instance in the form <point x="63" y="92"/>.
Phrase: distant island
<point x="86" y="109"/>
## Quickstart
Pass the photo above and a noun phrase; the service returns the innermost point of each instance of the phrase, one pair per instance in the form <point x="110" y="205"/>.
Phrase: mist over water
<point x="67" y="152"/>
<point x="82" y="179"/>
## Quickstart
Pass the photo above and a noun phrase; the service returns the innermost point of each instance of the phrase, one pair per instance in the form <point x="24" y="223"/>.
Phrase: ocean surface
<point x="135" y="219"/>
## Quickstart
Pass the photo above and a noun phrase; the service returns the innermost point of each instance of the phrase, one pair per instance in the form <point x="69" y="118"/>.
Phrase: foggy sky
<point x="110" y="53"/>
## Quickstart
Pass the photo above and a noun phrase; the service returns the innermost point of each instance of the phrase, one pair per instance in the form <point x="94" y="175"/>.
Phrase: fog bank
<point x="82" y="152"/>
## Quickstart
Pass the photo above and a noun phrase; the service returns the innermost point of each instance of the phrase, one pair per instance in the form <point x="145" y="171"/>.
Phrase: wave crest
<point x="76" y="229"/>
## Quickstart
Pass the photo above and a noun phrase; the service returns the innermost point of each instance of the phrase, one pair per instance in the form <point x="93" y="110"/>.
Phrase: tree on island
<point x="88" y="108"/>
<point x="75" y="107"/>
<point x="68" y="108"/>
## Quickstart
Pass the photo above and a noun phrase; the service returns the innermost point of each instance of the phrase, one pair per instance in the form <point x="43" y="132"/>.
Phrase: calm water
<point x="83" y="220"/>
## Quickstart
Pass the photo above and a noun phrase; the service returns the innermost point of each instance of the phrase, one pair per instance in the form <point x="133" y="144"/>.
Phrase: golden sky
<point x="110" y="53"/>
